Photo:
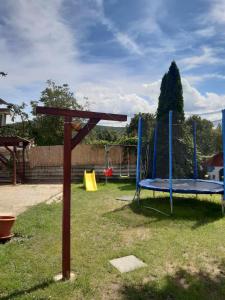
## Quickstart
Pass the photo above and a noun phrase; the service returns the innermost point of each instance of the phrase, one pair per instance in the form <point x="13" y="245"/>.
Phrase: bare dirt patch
<point x="132" y="235"/>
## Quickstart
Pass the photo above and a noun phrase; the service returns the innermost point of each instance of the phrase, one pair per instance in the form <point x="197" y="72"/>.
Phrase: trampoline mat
<point x="188" y="186"/>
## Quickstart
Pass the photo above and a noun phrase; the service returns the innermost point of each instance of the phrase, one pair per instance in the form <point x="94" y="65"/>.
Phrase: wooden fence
<point x="49" y="156"/>
<point x="45" y="163"/>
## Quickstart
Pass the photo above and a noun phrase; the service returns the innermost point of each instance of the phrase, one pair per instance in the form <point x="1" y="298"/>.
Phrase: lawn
<point x="185" y="254"/>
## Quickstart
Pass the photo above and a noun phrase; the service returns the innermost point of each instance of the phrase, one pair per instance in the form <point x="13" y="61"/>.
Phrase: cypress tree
<point x="171" y="98"/>
<point x="171" y="95"/>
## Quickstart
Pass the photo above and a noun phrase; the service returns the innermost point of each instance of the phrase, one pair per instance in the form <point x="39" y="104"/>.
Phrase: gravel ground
<point x="16" y="199"/>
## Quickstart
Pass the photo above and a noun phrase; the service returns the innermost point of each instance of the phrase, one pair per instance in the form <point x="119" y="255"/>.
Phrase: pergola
<point x="69" y="144"/>
<point x="11" y="144"/>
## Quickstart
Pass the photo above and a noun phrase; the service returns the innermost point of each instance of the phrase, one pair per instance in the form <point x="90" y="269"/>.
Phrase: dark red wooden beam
<point x="84" y="131"/>
<point x="66" y="255"/>
<point x="79" y="114"/>
<point x="13" y="141"/>
<point x="69" y="144"/>
<point x="23" y="164"/>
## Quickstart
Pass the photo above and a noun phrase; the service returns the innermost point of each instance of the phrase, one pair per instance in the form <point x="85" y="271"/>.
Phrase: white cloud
<point x="207" y="57"/>
<point x="113" y="100"/>
<point x="217" y="13"/>
<point x="133" y="97"/>
<point x="193" y="79"/>
<point x="44" y="44"/>
<point x="46" y="47"/>
<point x="123" y="38"/>
<point x="206" y="32"/>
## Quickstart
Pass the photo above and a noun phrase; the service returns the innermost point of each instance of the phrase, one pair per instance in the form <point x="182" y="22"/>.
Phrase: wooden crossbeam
<point x="69" y="144"/>
<point x="83" y="132"/>
<point x="79" y="114"/>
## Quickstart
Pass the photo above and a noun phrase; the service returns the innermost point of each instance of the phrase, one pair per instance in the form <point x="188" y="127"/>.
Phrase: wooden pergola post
<point x="23" y="164"/>
<point x="14" y="166"/>
<point x="66" y="199"/>
<point x="13" y="155"/>
<point x="69" y="144"/>
<point x="12" y="144"/>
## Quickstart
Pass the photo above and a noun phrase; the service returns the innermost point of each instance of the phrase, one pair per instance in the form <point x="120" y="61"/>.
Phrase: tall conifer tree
<point x="171" y="95"/>
<point x="171" y="98"/>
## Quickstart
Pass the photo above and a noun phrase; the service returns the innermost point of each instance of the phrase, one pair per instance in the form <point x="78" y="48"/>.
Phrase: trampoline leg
<point x="171" y="204"/>
<point x="137" y="196"/>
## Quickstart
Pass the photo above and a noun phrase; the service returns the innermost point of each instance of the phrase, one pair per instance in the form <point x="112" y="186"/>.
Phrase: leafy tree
<point x="18" y="110"/>
<point x="22" y="126"/>
<point x="148" y="126"/>
<point x="48" y="130"/>
<point x="205" y="134"/>
<point x="218" y="139"/>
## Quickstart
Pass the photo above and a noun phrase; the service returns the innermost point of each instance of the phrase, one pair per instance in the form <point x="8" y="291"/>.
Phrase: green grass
<point x="185" y="254"/>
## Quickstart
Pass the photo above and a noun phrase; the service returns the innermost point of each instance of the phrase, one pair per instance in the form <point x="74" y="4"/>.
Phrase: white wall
<point x="214" y="173"/>
<point x="2" y="119"/>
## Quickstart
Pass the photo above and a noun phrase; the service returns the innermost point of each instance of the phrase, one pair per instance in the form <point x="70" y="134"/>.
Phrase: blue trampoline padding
<point x="184" y="186"/>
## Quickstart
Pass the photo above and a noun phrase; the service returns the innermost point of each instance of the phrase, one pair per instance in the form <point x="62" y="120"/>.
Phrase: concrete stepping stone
<point x="127" y="263"/>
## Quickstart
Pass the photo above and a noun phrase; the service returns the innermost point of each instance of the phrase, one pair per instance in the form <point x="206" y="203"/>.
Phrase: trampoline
<point x="171" y="183"/>
<point x="183" y="186"/>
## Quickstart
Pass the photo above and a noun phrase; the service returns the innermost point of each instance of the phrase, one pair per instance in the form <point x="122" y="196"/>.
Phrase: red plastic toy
<point x="108" y="172"/>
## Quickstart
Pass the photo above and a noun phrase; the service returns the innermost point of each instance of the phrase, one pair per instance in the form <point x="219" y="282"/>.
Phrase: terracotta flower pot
<point x="6" y="224"/>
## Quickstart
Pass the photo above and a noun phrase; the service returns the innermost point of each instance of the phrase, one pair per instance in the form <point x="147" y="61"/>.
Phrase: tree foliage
<point x="171" y="95"/>
<point x="209" y="139"/>
<point x="22" y="126"/>
<point x="48" y="130"/>
<point x="148" y="126"/>
<point x="171" y="99"/>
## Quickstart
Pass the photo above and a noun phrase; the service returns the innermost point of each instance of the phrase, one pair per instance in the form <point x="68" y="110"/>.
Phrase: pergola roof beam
<point x="79" y="114"/>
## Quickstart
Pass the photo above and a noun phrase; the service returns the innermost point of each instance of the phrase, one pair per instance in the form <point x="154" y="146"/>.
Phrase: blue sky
<point x="114" y="52"/>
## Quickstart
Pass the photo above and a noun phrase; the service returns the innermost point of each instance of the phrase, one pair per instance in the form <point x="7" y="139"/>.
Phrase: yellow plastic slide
<point x="90" y="181"/>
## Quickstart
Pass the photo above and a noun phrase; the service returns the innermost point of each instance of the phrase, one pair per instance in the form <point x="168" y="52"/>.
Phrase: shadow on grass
<point x="130" y="186"/>
<point x="27" y="291"/>
<point x="186" y="209"/>
<point x="183" y="284"/>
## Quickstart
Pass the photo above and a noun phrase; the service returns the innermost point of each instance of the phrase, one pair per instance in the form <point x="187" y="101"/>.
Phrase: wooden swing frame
<point x="69" y="144"/>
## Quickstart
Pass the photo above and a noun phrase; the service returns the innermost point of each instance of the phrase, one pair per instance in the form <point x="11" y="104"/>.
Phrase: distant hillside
<point x="121" y="130"/>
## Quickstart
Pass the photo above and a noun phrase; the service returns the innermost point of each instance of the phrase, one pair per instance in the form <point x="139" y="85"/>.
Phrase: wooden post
<point x="66" y="199"/>
<point x="69" y="144"/>
<point x="23" y="166"/>
<point x="14" y="166"/>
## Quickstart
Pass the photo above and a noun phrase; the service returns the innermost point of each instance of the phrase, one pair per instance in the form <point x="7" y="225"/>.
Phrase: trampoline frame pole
<point x="171" y="159"/>
<point x="195" y="151"/>
<point x="138" y="167"/>
<point x="223" y="134"/>
<point x="155" y="151"/>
